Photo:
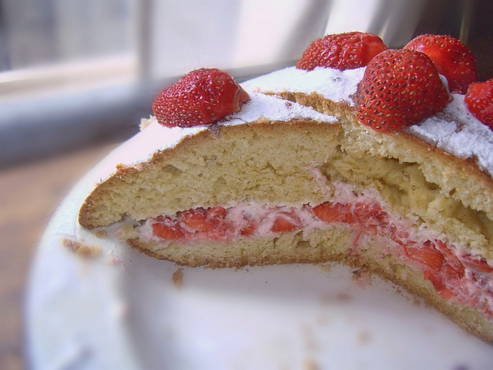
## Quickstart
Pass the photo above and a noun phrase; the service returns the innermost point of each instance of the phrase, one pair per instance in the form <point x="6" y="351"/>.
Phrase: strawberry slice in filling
<point x="464" y="278"/>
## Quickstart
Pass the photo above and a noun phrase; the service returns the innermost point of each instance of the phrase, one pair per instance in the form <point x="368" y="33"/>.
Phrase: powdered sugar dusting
<point x="329" y="82"/>
<point x="457" y="131"/>
<point x="274" y="109"/>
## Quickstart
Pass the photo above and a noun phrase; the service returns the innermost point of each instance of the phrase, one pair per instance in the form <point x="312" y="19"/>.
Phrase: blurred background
<point x="76" y="76"/>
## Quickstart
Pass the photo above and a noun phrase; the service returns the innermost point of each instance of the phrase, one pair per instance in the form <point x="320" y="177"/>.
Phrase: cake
<point x="292" y="173"/>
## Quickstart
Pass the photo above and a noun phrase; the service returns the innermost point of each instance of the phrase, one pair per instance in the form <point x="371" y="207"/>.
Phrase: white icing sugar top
<point x="329" y="82"/>
<point x="454" y="130"/>
<point x="457" y="131"/>
<point x="155" y="137"/>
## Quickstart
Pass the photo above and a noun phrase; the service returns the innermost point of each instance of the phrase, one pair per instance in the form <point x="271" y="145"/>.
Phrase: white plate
<point x="124" y="311"/>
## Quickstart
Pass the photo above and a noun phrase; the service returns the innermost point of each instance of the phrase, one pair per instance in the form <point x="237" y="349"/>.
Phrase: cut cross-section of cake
<point x="273" y="181"/>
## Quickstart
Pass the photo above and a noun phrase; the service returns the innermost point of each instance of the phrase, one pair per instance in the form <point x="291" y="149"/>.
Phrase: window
<point x="49" y="43"/>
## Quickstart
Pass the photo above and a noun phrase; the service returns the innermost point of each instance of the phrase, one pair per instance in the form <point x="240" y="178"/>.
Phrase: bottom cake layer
<point x="335" y="243"/>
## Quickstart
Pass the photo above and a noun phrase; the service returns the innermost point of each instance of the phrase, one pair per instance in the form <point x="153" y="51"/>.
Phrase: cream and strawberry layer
<point x="456" y="274"/>
<point x="454" y="130"/>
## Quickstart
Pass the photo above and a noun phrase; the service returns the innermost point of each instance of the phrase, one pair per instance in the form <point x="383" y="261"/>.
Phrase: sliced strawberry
<point x="369" y="212"/>
<point x="342" y="51"/>
<point x="446" y="293"/>
<point x="334" y="212"/>
<point x="202" y="220"/>
<point x="450" y="258"/>
<point x="167" y="229"/>
<point x="220" y="228"/>
<point x="218" y="214"/>
<point x="401" y="237"/>
<point x="285" y="222"/>
<point x="477" y="264"/>
<point x="249" y="226"/>
<point x="451" y="57"/>
<point x="399" y="88"/>
<point x="435" y="279"/>
<point x="201" y="97"/>
<point x="195" y="219"/>
<point x="426" y="255"/>
<point x="220" y="232"/>
<point x="479" y="101"/>
<point x="450" y="274"/>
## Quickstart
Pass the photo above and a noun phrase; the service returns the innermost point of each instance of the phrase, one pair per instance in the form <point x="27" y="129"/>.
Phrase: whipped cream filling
<point x="454" y="130"/>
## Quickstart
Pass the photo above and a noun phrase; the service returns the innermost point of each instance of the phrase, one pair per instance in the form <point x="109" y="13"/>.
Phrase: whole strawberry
<point x="451" y="57"/>
<point x="399" y="88"/>
<point x="201" y="97"/>
<point x="479" y="101"/>
<point x="342" y="51"/>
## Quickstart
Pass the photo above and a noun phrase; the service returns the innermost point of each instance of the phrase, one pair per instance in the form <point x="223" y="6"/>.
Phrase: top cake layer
<point x="454" y="130"/>
<point x="154" y="137"/>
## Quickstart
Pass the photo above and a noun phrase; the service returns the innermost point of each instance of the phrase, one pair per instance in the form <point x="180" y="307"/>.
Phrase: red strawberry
<point x="451" y="57"/>
<point x="399" y="88"/>
<point x="217" y="213"/>
<point x="450" y="274"/>
<point x="249" y="226"/>
<point x="435" y="279"/>
<point x="202" y="220"/>
<point x="450" y="258"/>
<point x="195" y="219"/>
<point x="286" y="222"/>
<point x="333" y="212"/>
<point x="446" y="293"/>
<point x="479" y="101"/>
<point x="369" y="212"/>
<point x="201" y="97"/>
<point x="167" y="229"/>
<point x="478" y="264"/>
<point x="342" y="51"/>
<point x="427" y="255"/>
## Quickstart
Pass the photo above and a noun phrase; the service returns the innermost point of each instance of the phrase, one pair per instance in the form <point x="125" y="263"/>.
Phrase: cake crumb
<point x="326" y="267"/>
<point x="364" y="337"/>
<point x="81" y="250"/>
<point x="310" y="364"/>
<point x="121" y="167"/>
<point x="144" y="122"/>
<point x="177" y="278"/>
<point x="101" y="234"/>
<point x="344" y="297"/>
<point x="362" y="277"/>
